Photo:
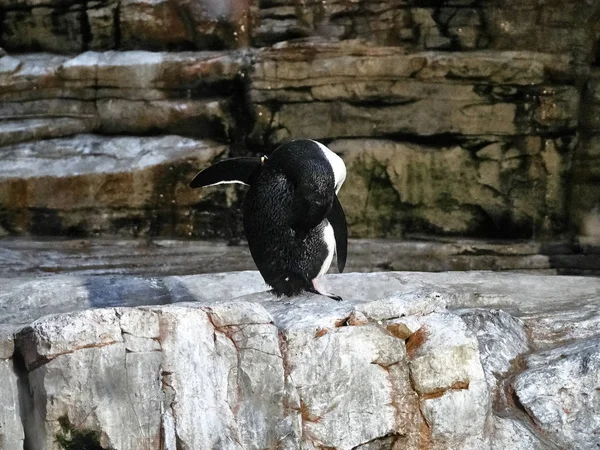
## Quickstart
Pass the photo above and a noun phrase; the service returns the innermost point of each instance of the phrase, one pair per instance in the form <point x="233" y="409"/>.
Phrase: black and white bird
<point x="293" y="219"/>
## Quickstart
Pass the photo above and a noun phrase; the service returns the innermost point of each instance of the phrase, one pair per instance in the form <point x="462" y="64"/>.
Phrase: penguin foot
<point x="315" y="290"/>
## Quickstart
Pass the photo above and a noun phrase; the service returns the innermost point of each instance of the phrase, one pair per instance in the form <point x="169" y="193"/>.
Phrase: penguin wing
<point x="337" y="219"/>
<point x="233" y="170"/>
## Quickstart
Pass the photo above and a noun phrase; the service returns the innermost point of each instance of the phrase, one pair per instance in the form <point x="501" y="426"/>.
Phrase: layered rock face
<point x="406" y="361"/>
<point x="470" y="118"/>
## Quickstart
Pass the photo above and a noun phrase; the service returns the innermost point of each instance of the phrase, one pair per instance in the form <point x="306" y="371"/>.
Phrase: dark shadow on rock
<point x="126" y="291"/>
<point x="573" y="258"/>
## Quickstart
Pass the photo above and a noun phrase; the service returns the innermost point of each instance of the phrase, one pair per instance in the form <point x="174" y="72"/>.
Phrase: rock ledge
<point x="407" y="360"/>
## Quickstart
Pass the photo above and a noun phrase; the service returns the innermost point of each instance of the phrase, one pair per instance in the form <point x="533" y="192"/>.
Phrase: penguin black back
<point x="284" y="214"/>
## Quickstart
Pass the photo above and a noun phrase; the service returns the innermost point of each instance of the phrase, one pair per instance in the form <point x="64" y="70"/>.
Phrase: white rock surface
<point x="561" y="391"/>
<point x="11" y="427"/>
<point x="406" y="361"/>
<point x="502" y="338"/>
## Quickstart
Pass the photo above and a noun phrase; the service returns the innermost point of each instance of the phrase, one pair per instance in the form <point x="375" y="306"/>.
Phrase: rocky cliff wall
<point x="406" y="361"/>
<point x="455" y="117"/>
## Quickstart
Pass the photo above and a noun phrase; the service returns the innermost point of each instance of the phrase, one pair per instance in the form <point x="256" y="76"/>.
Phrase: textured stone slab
<point x="37" y="72"/>
<point x="143" y="69"/>
<point x="11" y="428"/>
<point x="386" y="366"/>
<point x="50" y="337"/>
<point x="161" y="257"/>
<point x="296" y="64"/>
<point x="16" y="131"/>
<point x="401" y="187"/>
<point x="328" y="90"/>
<point x="117" y="392"/>
<point x="136" y="92"/>
<point x="194" y="118"/>
<point x="102" y="183"/>
<point x="559" y="389"/>
<point x="68" y="27"/>
<point x="502" y="338"/>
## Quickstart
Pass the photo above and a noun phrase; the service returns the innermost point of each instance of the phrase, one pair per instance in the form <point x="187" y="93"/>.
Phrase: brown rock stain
<point x="320" y="332"/>
<point x="307" y="416"/>
<point x="399" y="330"/>
<point x="459" y="385"/>
<point x="415" y="341"/>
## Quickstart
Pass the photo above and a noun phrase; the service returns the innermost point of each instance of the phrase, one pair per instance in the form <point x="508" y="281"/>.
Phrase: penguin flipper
<point x="337" y="219"/>
<point x="233" y="170"/>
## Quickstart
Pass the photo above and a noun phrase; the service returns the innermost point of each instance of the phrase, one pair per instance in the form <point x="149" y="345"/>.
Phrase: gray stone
<point x="367" y="412"/>
<point x="7" y="343"/>
<point x="52" y="336"/>
<point x="426" y="185"/>
<point x="11" y="428"/>
<point x="53" y="30"/>
<point x="8" y="64"/>
<point x="502" y="339"/>
<point x="16" y="131"/>
<point x="195" y="118"/>
<point x="162" y="257"/>
<point x="118" y="394"/>
<point x="559" y="390"/>
<point x="233" y="380"/>
<point x="420" y="302"/>
<point x="307" y="372"/>
<point x="144" y="69"/>
<point x="330" y="95"/>
<point x="510" y="433"/>
<point x="68" y="27"/>
<point x="95" y="178"/>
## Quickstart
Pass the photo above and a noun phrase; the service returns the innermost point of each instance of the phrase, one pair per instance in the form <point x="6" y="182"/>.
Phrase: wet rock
<point x="388" y="22"/>
<point x="70" y="27"/>
<point x="162" y="257"/>
<point x="44" y="27"/>
<point x="144" y="69"/>
<point x="131" y="93"/>
<point x="15" y="131"/>
<point x="585" y="192"/>
<point x="194" y="118"/>
<point x="207" y="24"/>
<point x="400" y="187"/>
<point x="95" y="179"/>
<point x="328" y="91"/>
<point x="561" y="27"/>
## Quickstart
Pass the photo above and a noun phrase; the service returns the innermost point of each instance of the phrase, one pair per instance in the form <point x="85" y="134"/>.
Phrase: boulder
<point x="559" y="391"/>
<point x="407" y="360"/>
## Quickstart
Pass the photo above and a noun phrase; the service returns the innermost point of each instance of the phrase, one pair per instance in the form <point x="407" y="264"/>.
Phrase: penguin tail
<point x="289" y="284"/>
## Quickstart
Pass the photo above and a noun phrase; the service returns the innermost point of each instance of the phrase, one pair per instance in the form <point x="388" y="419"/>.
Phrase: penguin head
<point x="310" y="160"/>
<point x="336" y="163"/>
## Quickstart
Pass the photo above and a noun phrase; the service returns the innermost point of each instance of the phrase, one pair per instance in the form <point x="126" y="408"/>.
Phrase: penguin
<point x="293" y="220"/>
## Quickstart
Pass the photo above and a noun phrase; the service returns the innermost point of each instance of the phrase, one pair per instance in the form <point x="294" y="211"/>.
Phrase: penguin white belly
<point x="329" y="239"/>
